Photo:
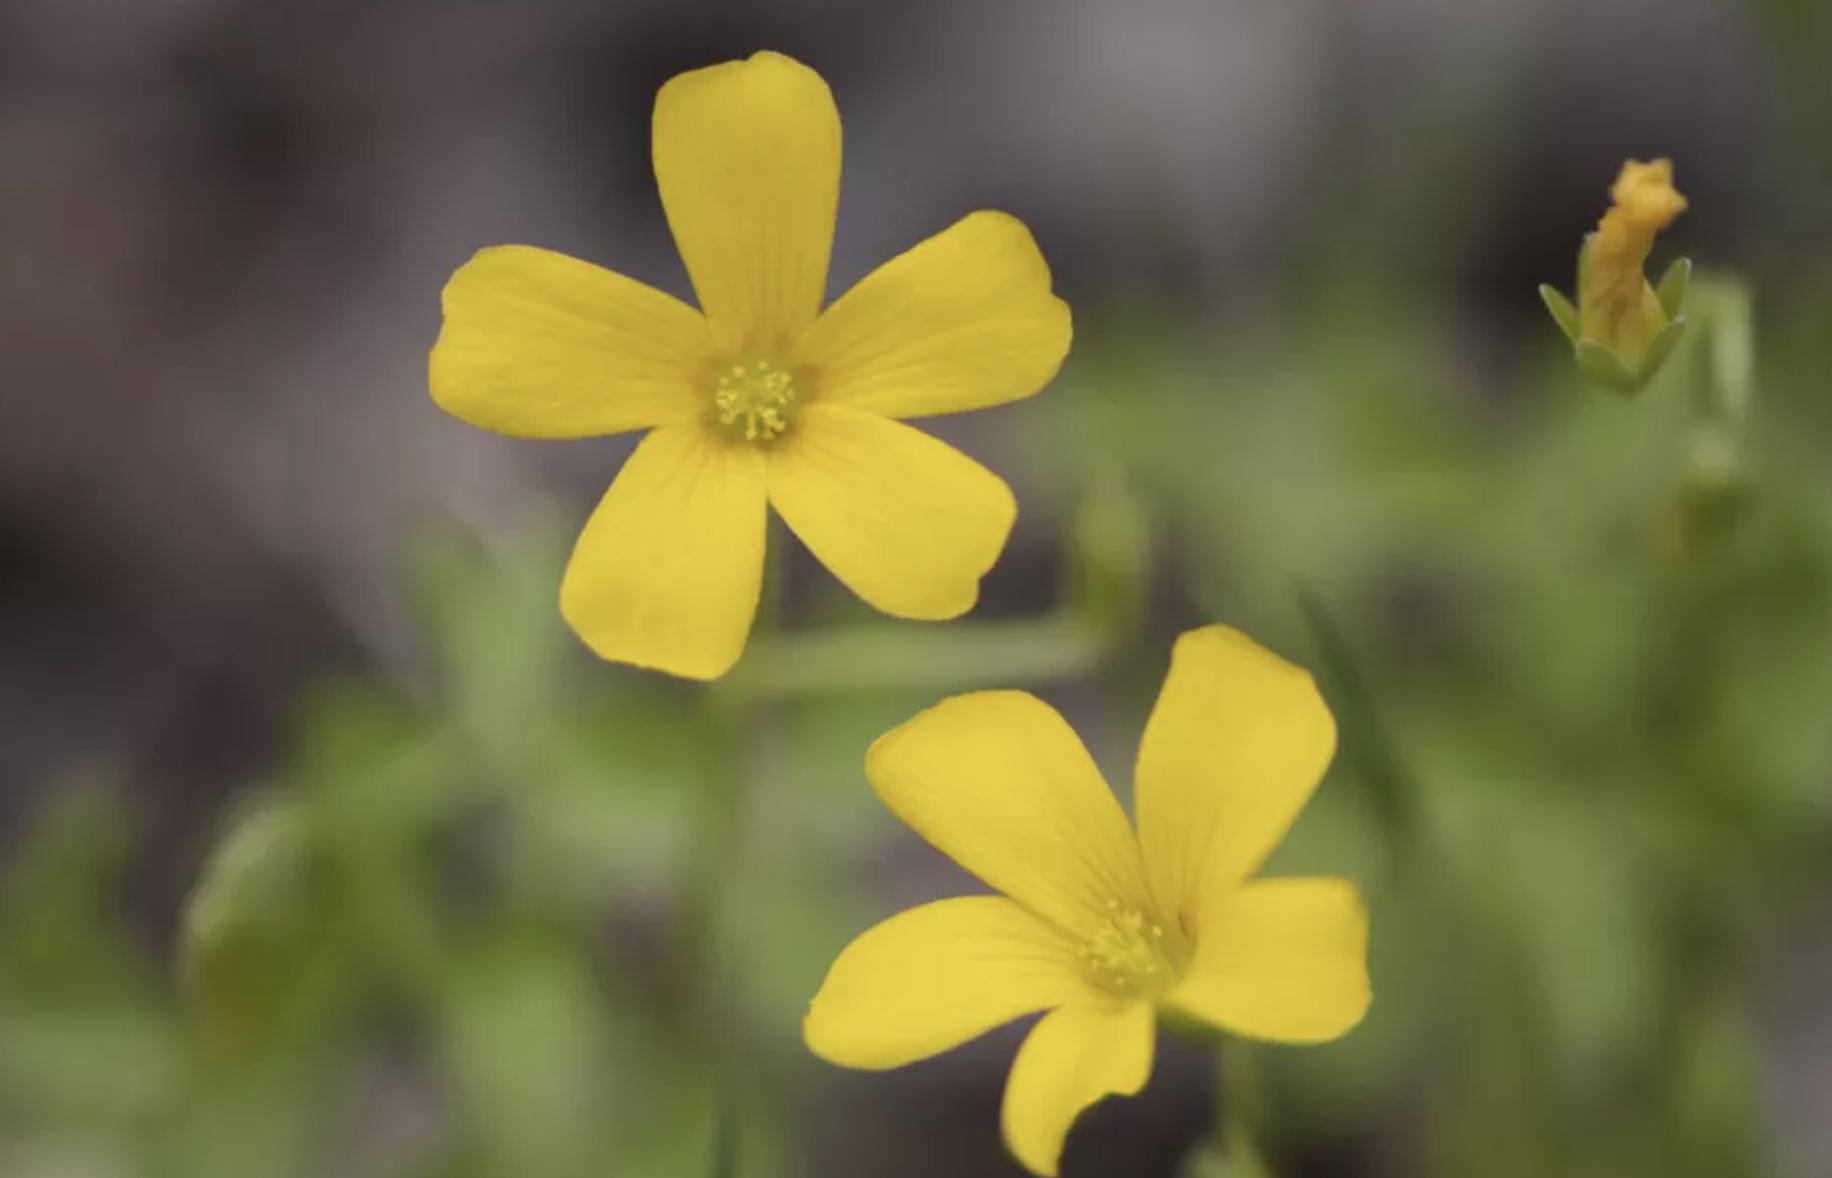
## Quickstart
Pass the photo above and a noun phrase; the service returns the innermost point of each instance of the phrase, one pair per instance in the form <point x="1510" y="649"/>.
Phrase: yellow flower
<point x="1098" y="927"/>
<point x="1622" y="328"/>
<point x="759" y="397"/>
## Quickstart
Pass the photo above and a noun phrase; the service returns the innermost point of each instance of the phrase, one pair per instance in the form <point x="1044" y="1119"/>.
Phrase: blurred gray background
<point x="224" y="225"/>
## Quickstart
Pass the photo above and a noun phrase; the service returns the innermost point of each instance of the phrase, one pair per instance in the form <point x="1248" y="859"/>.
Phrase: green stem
<point x="712" y="1002"/>
<point x="1240" y="1110"/>
<point x="1367" y="742"/>
<point x="880" y="656"/>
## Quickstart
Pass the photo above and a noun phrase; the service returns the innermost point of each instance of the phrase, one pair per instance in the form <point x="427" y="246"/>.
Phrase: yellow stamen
<point x="755" y="399"/>
<point x="1131" y="955"/>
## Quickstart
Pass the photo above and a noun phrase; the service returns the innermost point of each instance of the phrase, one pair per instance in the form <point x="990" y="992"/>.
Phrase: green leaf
<point x="1563" y="313"/>
<point x="252" y="925"/>
<point x="491" y="619"/>
<point x="85" y="1038"/>
<point x="523" y="1029"/>
<point x="58" y="932"/>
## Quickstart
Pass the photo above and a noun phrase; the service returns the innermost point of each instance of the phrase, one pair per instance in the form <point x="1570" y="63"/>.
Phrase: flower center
<point x="755" y="399"/>
<point x="1130" y="954"/>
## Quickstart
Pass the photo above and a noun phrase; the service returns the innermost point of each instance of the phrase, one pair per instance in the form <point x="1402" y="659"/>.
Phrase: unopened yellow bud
<point x="1617" y="307"/>
<point x="1622" y="328"/>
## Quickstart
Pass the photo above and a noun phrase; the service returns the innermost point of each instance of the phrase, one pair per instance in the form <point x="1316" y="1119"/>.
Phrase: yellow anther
<point x="755" y="400"/>
<point x="1127" y="954"/>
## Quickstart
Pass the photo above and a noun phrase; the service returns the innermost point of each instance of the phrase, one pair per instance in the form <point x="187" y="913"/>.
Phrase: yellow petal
<point x="1000" y="783"/>
<point x="1234" y="748"/>
<point x="1281" y="959"/>
<point x="936" y="976"/>
<point x="962" y="321"/>
<point x="668" y="570"/>
<point x="909" y="523"/>
<point x="1074" y="1057"/>
<point x="540" y="345"/>
<point x="747" y="155"/>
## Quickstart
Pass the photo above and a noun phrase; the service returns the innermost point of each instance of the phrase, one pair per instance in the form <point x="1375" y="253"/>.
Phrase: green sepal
<point x="1602" y="365"/>
<point x="1563" y="313"/>
<point x="1661" y="347"/>
<point x="1672" y="289"/>
<point x="1606" y="368"/>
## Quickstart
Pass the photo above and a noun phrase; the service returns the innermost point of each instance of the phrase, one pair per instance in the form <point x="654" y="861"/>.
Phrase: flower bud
<point x="1623" y="329"/>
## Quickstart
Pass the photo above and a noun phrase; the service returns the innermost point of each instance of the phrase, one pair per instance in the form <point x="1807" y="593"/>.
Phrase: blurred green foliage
<point x="540" y="917"/>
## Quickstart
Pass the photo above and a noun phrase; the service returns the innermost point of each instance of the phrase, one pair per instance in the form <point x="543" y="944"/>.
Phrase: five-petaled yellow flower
<point x="1096" y="926"/>
<point x="759" y="398"/>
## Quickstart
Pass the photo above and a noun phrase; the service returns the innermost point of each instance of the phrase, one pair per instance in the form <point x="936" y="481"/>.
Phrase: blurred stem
<point x="1240" y="1110"/>
<point x="714" y="866"/>
<point x="713" y="1004"/>
<point x="879" y="656"/>
<point x="735" y="714"/>
<point x="1367" y="742"/>
<point x="1722" y="376"/>
<point x="724" y="1160"/>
